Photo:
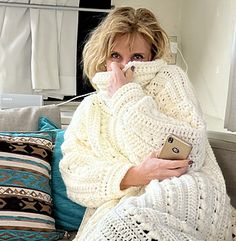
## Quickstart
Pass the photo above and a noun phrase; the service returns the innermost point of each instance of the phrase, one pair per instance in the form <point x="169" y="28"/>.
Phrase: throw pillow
<point x="25" y="193"/>
<point x="68" y="214"/>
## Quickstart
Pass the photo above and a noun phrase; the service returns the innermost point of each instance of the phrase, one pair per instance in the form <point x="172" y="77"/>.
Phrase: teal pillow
<point x="68" y="214"/>
<point x="25" y="192"/>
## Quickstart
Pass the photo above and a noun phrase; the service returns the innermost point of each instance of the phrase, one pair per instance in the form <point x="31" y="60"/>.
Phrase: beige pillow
<point x="26" y="118"/>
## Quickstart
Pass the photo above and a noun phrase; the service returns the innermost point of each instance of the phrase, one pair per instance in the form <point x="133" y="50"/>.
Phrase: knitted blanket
<point x="141" y="114"/>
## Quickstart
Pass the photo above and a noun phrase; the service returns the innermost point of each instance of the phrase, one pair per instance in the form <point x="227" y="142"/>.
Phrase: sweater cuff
<point x="126" y="95"/>
<point x="115" y="179"/>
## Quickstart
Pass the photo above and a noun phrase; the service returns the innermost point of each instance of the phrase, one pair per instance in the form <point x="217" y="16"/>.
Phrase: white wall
<point x="207" y="34"/>
<point x="168" y="12"/>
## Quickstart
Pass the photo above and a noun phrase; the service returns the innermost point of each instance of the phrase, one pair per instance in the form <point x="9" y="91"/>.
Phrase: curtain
<point x="38" y="50"/>
<point x="230" y="114"/>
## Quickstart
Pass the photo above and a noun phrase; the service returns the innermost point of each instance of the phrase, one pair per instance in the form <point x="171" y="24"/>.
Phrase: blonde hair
<point x="120" y="21"/>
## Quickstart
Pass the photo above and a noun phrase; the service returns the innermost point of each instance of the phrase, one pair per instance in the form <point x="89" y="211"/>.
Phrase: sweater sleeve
<point x="90" y="180"/>
<point x="168" y="105"/>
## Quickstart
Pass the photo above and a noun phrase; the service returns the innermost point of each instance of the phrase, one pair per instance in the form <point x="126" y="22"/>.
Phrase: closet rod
<point x="51" y="7"/>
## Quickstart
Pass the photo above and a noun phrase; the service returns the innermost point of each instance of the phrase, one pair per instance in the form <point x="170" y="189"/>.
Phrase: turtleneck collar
<point x="143" y="73"/>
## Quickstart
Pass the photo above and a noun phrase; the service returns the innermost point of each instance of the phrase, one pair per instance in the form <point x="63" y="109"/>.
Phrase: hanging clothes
<point x="15" y="50"/>
<point x="44" y="59"/>
<point x="38" y="49"/>
<point x="54" y="44"/>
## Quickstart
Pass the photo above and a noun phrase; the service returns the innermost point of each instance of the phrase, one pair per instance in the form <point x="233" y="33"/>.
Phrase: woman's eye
<point x="115" y="55"/>
<point x="137" y="57"/>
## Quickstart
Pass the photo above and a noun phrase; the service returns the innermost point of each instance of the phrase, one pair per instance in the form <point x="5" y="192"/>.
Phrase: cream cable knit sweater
<point x="109" y="135"/>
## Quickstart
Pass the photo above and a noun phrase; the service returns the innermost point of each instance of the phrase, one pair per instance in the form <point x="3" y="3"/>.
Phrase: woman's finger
<point x="115" y="65"/>
<point x="173" y="164"/>
<point x="168" y="173"/>
<point x="129" y="73"/>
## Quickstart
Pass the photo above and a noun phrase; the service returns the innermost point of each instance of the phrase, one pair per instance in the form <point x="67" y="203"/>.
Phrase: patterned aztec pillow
<point x="25" y="195"/>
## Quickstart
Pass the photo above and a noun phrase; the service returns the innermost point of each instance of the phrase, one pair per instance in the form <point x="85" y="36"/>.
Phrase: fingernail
<point x="190" y="162"/>
<point x="132" y="68"/>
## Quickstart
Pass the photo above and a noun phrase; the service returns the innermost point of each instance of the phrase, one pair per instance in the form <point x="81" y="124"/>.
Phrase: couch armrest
<point x="225" y="152"/>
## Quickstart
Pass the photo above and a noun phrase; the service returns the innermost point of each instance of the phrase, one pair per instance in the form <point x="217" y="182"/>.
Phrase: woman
<point x="111" y="147"/>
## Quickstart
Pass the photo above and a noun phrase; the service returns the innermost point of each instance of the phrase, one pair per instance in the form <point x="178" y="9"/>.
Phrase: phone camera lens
<point x="170" y="139"/>
<point x="175" y="150"/>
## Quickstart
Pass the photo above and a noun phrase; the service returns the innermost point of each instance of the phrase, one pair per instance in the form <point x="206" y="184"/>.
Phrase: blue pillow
<point x="25" y="196"/>
<point x="68" y="214"/>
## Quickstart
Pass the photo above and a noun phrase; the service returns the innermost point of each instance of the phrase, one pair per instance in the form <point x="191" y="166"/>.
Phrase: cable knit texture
<point x="108" y="135"/>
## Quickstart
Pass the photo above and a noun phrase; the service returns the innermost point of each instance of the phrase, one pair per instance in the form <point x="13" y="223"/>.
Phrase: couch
<point x="26" y="120"/>
<point x="32" y="136"/>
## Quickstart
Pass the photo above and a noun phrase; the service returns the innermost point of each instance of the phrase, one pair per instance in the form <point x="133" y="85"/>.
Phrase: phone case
<point x="175" y="148"/>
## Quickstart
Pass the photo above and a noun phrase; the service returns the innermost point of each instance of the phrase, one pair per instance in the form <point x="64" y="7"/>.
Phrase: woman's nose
<point x="125" y="61"/>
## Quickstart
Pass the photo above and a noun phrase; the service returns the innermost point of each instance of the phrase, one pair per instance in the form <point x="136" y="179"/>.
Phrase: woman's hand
<point x="119" y="78"/>
<point x="153" y="168"/>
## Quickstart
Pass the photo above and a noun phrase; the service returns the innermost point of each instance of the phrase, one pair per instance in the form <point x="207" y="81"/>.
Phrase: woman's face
<point x="125" y="51"/>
